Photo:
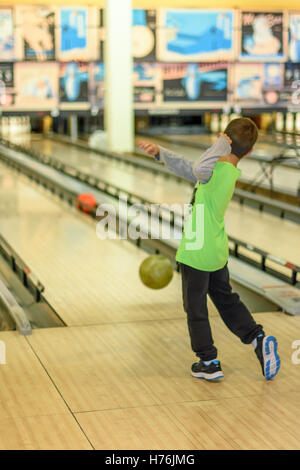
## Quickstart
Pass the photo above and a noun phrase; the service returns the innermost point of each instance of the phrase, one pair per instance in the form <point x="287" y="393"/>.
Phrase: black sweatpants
<point x="195" y="287"/>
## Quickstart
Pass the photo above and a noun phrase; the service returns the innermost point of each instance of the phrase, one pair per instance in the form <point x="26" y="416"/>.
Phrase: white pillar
<point x="118" y="112"/>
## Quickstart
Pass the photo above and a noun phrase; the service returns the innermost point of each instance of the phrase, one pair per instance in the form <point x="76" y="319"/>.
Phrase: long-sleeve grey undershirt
<point x="199" y="170"/>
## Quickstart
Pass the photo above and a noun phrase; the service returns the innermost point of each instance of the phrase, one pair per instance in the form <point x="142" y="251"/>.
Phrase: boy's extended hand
<point x="148" y="147"/>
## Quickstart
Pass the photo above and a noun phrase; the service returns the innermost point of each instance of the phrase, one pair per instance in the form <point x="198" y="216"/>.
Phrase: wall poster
<point x="195" y="82"/>
<point x="7" y="42"/>
<point x="96" y="84"/>
<point x="143" y="34"/>
<point x="262" y="36"/>
<point x="257" y="84"/>
<point x="73" y="82"/>
<point x="35" y="33"/>
<point x="78" y="33"/>
<point x="195" y="35"/>
<point x="7" y="91"/>
<point x="294" y="37"/>
<point x="36" y="85"/>
<point x="145" y="81"/>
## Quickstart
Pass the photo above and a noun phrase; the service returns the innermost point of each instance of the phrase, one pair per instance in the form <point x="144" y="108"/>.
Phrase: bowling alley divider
<point x="15" y="310"/>
<point x="22" y="296"/>
<point x="24" y="273"/>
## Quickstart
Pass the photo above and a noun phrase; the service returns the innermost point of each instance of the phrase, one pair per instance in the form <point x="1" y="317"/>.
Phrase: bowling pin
<point x="5" y="127"/>
<point x="224" y="122"/>
<point x="17" y="122"/>
<point x="22" y="131"/>
<point x="297" y="122"/>
<point x="289" y="122"/>
<point x="234" y="116"/>
<point x="279" y="122"/>
<point x="214" y="123"/>
<point x="23" y="125"/>
<point x="18" y="125"/>
<point x="236" y="112"/>
<point x="11" y="129"/>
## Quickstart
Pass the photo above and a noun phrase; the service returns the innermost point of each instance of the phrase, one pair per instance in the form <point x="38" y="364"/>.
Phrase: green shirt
<point x="204" y="243"/>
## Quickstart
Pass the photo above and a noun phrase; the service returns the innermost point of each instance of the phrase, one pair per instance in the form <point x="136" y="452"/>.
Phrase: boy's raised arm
<point x="194" y="171"/>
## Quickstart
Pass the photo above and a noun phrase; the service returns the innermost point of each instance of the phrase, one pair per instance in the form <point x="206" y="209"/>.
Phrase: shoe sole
<point x="271" y="358"/>
<point x="203" y="375"/>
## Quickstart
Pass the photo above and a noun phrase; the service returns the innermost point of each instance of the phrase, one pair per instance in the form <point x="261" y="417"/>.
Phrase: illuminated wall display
<point x="52" y="56"/>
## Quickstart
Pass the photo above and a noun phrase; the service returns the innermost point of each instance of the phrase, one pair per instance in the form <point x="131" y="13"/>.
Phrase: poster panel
<point x="73" y="82"/>
<point x="78" y="32"/>
<point x="145" y="81"/>
<point x="194" y="82"/>
<point x="262" y="36"/>
<point x="143" y="35"/>
<point x="257" y="84"/>
<point x="292" y="83"/>
<point x="195" y="35"/>
<point x="291" y="74"/>
<point x="36" y="85"/>
<point x="35" y="33"/>
<point x="247" y="83"/>
<point x="294" y="37"/>
<point x="7" y="91"/>
<point x="96" y="85"/>
<point x="7" y="44"/>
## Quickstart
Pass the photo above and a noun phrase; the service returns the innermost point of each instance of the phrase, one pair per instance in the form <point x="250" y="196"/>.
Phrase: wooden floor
<point x="127" y="386"/>
<point x="118" y="376"/>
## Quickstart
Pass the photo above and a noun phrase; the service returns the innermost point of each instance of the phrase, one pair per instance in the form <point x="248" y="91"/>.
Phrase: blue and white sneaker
<point x="266" y="352"/>
<point x="211" y="371"/>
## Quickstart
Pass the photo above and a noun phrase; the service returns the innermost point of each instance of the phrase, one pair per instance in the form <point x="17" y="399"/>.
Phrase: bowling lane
<point x="244" y="223"/>
<point x="154" y="187"/>
<point x="87" y="280"/>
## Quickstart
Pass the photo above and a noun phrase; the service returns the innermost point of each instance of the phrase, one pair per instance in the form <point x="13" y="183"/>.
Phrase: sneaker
<point x="211" y="372"/>
<point x="266" y="352"/>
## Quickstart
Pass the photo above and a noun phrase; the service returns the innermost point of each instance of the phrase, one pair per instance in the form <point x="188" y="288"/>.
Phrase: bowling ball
<point x="156" y="272"/>
<point x="86" y="202"/>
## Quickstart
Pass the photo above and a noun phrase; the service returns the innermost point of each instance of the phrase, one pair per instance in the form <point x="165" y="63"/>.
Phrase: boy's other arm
<point x="204" y="167"/>
<point x="199" y="170"/>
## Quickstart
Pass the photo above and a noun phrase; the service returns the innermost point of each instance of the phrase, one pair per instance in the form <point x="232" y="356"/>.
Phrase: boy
<point x="204" y="270"/>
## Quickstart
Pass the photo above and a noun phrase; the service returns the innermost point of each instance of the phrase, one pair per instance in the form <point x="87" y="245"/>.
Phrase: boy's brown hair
<point x="243" y="133"/>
